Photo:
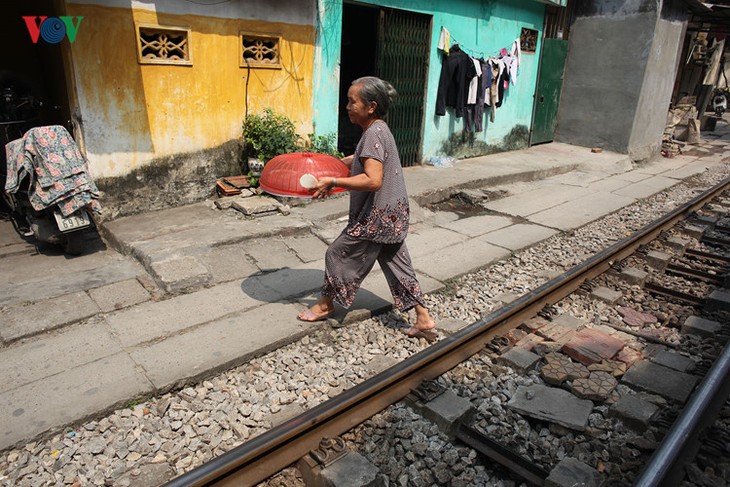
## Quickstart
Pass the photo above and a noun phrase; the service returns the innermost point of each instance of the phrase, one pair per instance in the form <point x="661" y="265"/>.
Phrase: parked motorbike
<point x="48" y="188"/>
<point x="720" y="101"/>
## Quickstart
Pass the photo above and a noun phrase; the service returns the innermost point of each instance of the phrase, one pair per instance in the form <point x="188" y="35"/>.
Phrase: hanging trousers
<point x="349" y="260"/>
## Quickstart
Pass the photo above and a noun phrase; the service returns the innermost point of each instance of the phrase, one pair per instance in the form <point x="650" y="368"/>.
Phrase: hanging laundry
<point x="492" y="94"/>
<point x="456" y="70"/>
<point x="471" y="99"/>
<point x="444" y="41"/>
<point x="516" y="54"/>
<point x="508" y="61"/>
<point x="473" y="83"/>
<point x="479" y="105"/>
<point x="503" y="84"/>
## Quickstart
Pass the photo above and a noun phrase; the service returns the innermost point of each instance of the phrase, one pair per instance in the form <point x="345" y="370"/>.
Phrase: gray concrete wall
<point x="619" y="75"/>
<point x="659" y="75"/>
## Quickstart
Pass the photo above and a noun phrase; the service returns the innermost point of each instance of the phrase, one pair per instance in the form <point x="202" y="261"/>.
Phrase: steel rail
<point x="680" y="445"/>
<point x="279" y="447"/>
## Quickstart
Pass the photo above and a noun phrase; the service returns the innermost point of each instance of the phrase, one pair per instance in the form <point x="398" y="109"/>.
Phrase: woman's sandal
<point x="428" y="335"/>
<point x="310" y="316"/>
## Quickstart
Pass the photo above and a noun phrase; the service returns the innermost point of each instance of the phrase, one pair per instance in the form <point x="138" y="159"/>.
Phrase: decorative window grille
<point x="260" y="50"/>
<point x="528" y="40"/>
<point x="157" y="44"/>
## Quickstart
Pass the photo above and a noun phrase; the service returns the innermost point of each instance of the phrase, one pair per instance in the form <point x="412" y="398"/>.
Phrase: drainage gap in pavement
<point x="469" y="202"/>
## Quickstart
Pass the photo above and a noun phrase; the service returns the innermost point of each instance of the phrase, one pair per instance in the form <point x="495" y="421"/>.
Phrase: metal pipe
<point x="682" y="442"/>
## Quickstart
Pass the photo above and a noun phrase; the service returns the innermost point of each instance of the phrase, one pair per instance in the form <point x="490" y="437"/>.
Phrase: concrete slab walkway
<point x="179" y="294"/>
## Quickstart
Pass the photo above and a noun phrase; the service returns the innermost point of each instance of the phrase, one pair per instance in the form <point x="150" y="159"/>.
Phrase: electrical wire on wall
<point x="248" y="77"/>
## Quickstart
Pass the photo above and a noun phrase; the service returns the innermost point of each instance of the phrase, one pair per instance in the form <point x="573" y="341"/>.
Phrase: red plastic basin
<point x="281" y="174"/>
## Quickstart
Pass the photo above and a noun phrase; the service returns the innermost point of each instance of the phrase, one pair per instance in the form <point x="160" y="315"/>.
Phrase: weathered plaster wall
<point x="286" y="11"/>
<point x="180" y="122"/>
<point x="484" y="26"/>
<point x="619" y="76"/>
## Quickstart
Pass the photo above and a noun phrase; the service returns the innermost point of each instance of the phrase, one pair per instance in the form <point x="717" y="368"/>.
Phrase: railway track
<point x="683" y="285"/>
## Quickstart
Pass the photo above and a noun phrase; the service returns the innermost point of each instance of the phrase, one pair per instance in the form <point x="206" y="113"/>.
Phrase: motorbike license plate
<point x="74" y="221"/>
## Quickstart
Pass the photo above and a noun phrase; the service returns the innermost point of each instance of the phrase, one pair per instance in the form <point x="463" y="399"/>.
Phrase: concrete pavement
<point x="169" y="297"/>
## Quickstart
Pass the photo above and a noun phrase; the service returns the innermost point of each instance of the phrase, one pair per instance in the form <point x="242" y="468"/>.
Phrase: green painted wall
<point x="327" y="66"/>
<point x="481" y="26"/>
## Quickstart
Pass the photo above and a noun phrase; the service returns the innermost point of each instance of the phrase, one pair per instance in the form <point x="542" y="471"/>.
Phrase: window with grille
<point x="158" y="44"/>
<point x="260" y="50"/>
<point x="528" y="40"/>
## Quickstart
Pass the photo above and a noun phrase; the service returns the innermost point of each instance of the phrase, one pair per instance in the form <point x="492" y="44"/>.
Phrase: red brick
<point x="515" y="335"/>
<point x="534" y="324"/>
<point x="555" y="333"/>
<point x="629" y="356"/>
<point x="529" y="342"/>
<point x="591" y="346"/>
<point x="636" y="318"/>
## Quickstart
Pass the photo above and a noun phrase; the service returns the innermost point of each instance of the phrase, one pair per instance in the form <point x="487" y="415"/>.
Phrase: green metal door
<point x="547" y="98"/>
<point x="402" y="60"/>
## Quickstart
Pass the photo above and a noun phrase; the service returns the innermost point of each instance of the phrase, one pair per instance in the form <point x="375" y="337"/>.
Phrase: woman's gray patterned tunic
<point x="380" y="216"/>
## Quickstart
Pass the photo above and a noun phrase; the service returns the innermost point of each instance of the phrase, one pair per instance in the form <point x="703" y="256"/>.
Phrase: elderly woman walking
<point x="378" y="218"/>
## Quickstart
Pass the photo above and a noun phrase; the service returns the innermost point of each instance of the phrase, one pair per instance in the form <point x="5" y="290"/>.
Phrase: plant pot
<point x="255" y="166"/>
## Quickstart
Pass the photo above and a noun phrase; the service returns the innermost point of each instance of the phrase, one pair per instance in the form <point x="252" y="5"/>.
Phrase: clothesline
<point x="471" y="52"/>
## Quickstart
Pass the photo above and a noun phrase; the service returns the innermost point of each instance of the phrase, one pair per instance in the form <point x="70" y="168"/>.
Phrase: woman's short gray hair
<point x="376" y="90"/>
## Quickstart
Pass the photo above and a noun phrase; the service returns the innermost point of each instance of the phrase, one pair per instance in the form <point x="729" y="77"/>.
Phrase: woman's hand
<point x="370" y="180"/>
<point x="323" y="188"/>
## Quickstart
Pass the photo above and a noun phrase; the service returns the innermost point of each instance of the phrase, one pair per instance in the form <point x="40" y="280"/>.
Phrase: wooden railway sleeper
<point x="721" y="242"/>
<point x="707" y="255"/>
<point x="666" y="292"/>
<point x="694" y="273"/>
<point x="722" y="228"/>
<point x="532" y="473"/>
<point x="714" y="268"/>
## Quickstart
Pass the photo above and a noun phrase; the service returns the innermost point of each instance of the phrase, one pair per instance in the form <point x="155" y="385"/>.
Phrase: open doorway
<point x="32" y="70"/>
<point x="359" y="41"/>
<point x="393" y="45"/>
<point x="33" y="87"/>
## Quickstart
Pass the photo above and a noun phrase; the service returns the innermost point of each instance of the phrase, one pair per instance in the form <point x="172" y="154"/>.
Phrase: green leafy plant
<point x="269" y="134"/>
<point x="323" y="144"/>
<point x="252" y="180"/>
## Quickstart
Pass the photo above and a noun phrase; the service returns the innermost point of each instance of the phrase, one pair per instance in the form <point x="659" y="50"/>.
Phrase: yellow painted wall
<point x="133" y="113"/>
